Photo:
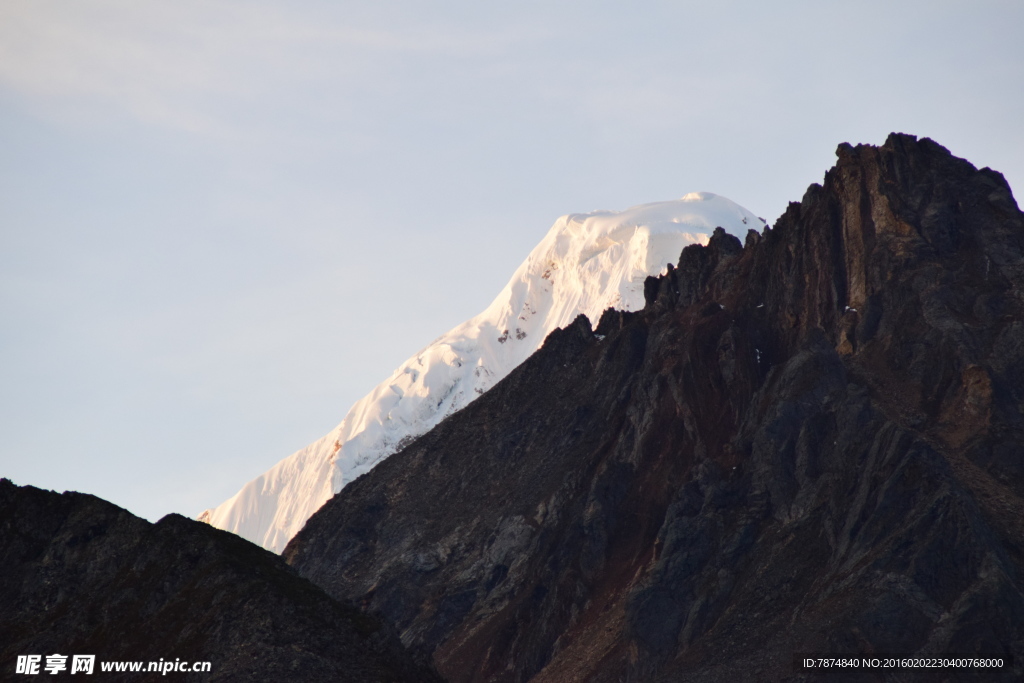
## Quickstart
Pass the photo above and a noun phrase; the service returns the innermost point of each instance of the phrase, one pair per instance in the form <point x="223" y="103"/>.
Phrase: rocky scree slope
<point x="79" y="575"/>
<point x="810" y="443"/>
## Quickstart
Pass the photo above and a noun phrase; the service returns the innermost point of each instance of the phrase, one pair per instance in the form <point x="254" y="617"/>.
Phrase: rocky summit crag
<point x="79" y="575"/>
<point x="813" y="442"/>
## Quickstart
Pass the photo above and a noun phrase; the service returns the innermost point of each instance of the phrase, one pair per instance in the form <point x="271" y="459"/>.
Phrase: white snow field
<point x="585" y="264"/>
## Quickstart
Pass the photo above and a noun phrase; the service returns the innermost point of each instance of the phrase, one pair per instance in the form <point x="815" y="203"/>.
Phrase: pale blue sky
<point x="221" y="223"/>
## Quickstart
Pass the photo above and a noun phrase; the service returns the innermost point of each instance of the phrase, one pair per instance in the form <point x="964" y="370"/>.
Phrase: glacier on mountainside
<point x="585" y="264"/>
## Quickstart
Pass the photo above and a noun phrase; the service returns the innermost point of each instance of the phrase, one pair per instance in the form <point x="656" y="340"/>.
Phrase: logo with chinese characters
<point x="55" y="663"/>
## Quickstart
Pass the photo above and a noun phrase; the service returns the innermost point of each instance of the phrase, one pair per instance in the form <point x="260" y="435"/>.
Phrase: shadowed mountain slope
<point x="79" y="575"/>
<point x="810" y="443"/>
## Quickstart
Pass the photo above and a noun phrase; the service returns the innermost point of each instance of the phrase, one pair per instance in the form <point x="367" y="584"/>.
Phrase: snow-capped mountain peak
<point x="585" y="264"/>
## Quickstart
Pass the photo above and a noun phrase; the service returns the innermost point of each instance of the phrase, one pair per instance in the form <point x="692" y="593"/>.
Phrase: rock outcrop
<point x="813" y="442"/>
<point x="79" y="575"/>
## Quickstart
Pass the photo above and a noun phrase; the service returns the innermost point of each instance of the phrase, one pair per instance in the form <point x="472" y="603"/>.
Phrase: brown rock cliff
<point x="810" y="443"/>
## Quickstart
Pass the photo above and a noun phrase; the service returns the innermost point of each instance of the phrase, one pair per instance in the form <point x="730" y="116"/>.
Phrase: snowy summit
<point x="585" y="264"/>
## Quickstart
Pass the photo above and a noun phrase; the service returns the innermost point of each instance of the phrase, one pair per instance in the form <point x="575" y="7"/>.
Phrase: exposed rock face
<point x="79" y="575"/>
<point x="813" y="443"/>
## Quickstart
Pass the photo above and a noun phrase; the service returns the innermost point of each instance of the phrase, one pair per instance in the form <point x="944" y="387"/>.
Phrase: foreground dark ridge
<point x="810" y="444"/>
<point x="79" y="575"/>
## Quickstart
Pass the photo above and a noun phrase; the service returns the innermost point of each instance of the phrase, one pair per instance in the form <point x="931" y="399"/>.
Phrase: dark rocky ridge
<point x="813" y="443"/>
<point x="79" y="575"/>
